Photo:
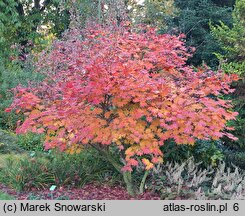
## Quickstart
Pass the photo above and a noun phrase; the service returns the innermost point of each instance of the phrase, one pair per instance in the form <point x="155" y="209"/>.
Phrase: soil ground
<point x="87" y="192"/>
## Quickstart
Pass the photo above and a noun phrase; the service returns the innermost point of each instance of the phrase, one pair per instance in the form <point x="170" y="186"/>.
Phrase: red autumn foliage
<point x="125" y="88"/>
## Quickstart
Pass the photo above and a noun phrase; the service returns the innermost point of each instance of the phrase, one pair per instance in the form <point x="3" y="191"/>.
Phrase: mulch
<point x="87" y="192"/>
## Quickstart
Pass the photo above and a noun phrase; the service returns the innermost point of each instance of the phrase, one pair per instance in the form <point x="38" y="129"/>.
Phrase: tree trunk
<point x="142" y="184"/>
<point x="127" y="177"/>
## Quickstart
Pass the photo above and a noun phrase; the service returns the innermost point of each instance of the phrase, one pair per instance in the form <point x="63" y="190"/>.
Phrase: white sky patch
<point x="140" y="2"/>
<point x="41" y="3"/>
<point x="31" y="5"/>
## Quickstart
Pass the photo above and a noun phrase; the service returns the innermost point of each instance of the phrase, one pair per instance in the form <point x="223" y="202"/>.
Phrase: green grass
<point x="4" y="196"/>
<point x="5" y="157"/>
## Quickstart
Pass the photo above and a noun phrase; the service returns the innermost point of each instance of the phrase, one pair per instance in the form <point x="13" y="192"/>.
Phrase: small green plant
<point x="33" y="196"/>
<point x="4" y="196"/>
<point x="63" y="198"/>
<point x="31" y="142"/>
<point x="208" y="152"/>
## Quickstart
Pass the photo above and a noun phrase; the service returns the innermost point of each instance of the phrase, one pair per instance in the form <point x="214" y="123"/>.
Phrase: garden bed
<point x="88" y="192"/>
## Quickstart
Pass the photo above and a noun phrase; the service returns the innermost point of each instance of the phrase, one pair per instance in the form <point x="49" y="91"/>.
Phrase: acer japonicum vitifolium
<point x="117" y="87"/>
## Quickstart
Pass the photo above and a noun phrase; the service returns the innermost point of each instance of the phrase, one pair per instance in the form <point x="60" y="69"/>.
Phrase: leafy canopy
<point x="28" y="23"/>
<point x="232" y="41"/>
<point x="111" y="86"/>
<point x="193" y="20"/>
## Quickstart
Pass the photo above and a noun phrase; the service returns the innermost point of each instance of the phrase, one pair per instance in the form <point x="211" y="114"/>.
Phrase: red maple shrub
<point x="130" y="89"/>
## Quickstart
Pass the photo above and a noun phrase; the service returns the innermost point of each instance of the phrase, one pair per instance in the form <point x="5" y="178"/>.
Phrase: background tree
<point x="21" y="23"/>
<point x="229" y="3"/>
<point x="155" y="13"/>
<point x="27" y="27"/>
<point x="232" y="40"/>
<point x="193" y="21"/>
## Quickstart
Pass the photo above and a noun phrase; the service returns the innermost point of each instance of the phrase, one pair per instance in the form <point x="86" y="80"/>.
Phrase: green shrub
<point x="208" y="152"/>
<point x="231" y="39"/>
<point x="238" y="124"/>
<point x="12" y="75"/>
<point x="31" y="142"/>
<point x="235" y="157"/>
<point x="174" y="152"/>
<point x="8" y="143"/>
